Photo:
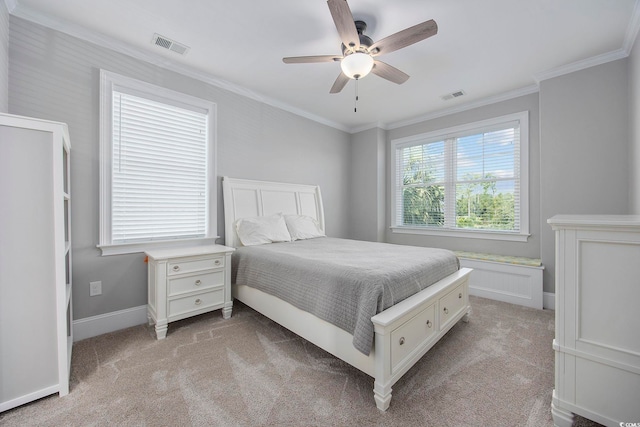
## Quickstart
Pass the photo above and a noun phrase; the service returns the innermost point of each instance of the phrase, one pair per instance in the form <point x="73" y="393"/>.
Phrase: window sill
<point x="138" y="247"/>
<point x="467" y="234"/>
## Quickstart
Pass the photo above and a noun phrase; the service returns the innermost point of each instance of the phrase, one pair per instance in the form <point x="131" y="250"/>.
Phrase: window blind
<point x="487" y="179"/>
<point x="462" y="180"/>
<point x="159" y="171"/>
<point x="423" y="184"/>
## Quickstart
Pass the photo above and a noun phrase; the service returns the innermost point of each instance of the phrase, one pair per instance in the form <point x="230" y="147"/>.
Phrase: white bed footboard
<point x="403" y="333"/>
<point x="407" y="330"/>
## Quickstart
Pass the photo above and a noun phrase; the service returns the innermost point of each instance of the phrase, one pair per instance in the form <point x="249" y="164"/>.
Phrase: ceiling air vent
<point x="167" y="43"/>
<point x="452" y="95"/>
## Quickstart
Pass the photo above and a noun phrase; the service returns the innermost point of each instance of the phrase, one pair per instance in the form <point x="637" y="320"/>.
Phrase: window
<point x="157" y="167"/>
<point x="466" y="181"/>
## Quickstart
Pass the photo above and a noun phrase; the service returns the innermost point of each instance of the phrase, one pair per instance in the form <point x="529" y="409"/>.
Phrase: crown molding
<point x="376" y="125"/>
<point x="11" y="5"/>
<point x="505" y="96"/>
<point x="580" y="65"/>
<point x="102" y="40"/>
<point x="631" y="35"/>
<point x="527" y="90"/>
<point x="632" y="30"/>
<point x="15" y="8"/>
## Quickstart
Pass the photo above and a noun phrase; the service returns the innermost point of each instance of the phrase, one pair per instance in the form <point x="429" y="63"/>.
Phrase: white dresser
<point x="35" y="260"/>
<point x="185" y="282"/>
<point x="597" y="342"/>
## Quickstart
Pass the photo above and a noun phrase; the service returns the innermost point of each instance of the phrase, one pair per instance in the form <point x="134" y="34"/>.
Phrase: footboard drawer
<point x="411" y="334"/>
<point x="451" y="304"/>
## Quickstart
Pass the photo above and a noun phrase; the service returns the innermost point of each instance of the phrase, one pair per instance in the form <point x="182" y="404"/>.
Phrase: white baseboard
<point x="512" y="283"/>
<point x="109" y="322"/>
<point x="116" y="320"/>
<point x="29" y="397"/>
<point x="549" y="300"/>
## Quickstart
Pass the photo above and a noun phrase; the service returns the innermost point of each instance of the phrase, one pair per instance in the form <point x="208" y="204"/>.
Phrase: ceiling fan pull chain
<point x="355" y="104"/>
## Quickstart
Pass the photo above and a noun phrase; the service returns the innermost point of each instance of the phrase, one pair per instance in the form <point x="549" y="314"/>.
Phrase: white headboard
<point x="246" y="198"/>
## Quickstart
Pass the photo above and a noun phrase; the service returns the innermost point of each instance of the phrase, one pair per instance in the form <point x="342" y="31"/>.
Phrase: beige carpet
<point x="496" y="370"/>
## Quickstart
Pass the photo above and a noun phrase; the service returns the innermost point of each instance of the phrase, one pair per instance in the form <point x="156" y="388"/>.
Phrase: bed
<point x="400" y="334"/>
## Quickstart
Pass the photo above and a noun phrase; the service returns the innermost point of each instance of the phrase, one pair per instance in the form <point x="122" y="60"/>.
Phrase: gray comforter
<point x="344" y="282"/>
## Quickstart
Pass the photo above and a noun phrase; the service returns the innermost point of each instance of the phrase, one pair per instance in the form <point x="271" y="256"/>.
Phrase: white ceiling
<point x="491" y="49"/>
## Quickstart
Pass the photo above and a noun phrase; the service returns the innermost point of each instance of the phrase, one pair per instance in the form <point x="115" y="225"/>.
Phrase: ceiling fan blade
<point x="404" y="38"/>
<point x="388" y="72"/>
<point x="340" y="83"/>
<point x="343" y="19"/>
<point x="311" y="59"/>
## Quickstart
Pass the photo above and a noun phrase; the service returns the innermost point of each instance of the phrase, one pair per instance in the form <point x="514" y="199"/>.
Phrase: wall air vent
<point x="169" y="44"/>
<point x="452" y="95"/>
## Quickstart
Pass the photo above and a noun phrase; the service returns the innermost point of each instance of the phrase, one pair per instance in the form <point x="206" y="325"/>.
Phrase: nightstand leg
<point x="226" y="311"/>
<point x="161" y="330"/>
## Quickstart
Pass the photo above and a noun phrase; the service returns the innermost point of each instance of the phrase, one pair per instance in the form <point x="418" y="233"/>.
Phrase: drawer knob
<point x="198" y="301"/>
<point x="446" y="310"/>
<point x="198" y="282"/>
<point x="429" y="324"/>
<point x="460" y="295"/>
<point x="217" y="262"/>
<point x="401" y="340"/>
<point x="176" y="268"/>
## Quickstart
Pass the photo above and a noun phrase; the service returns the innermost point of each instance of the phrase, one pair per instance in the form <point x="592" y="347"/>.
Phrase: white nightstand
<point x="185" y="282"/>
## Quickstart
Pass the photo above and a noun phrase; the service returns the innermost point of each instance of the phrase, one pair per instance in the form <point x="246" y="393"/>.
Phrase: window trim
<point x="109" y="82"/>
<point x="520" y="236"/>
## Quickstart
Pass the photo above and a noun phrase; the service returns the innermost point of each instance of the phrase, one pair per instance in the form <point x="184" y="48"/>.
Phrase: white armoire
<point x="35" y="260"/>
<point x="597" y="337"/>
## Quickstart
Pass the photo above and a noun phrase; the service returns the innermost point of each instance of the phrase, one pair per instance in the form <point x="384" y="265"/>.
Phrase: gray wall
<point x="4" y="58"/>
<point x="584" y="140"/>
<point x="584" y="148"/>
<point x="368" y="186"/>
<point x="55" y="76"/>
<point x="579" y="155"/>
<point x="531" y="248"/>
<point x="634" y="126"/>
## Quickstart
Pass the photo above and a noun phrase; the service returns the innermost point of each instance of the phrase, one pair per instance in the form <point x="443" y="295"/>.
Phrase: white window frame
<point x="521" y="236"/>
<point x="109" y="82"/>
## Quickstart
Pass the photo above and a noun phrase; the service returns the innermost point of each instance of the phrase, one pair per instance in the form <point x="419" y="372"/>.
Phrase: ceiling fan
<point x="359" y="51"/>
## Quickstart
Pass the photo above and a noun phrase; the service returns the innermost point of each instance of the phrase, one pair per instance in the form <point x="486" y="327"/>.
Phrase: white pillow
<point x="262" y="229"/>
<point x="303" y="227"/>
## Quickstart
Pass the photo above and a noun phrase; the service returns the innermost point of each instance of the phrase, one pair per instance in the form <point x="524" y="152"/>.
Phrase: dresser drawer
<point x="196" y="282"/>
<point x="180" y="306"/>
<point x="411" y="334"/>
<point x="188" y="265"/>
<point x="451" y="304"/>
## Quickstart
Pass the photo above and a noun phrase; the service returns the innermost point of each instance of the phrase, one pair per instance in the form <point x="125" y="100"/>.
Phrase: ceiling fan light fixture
<point x="359" y="50"/>
<point x="357" y="65"/>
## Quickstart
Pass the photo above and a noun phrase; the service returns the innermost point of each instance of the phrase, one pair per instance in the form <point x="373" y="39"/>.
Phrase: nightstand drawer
<point x="181" y="266"/>
<point x="196" y="282"/>
<point x="197" y="302"/>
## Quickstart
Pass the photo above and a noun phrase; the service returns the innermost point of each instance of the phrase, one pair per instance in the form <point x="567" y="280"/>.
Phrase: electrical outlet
<point x="95" y="288"/>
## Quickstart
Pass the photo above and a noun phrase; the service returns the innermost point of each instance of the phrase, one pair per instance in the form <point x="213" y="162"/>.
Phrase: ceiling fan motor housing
<point x="365" y="41"/>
